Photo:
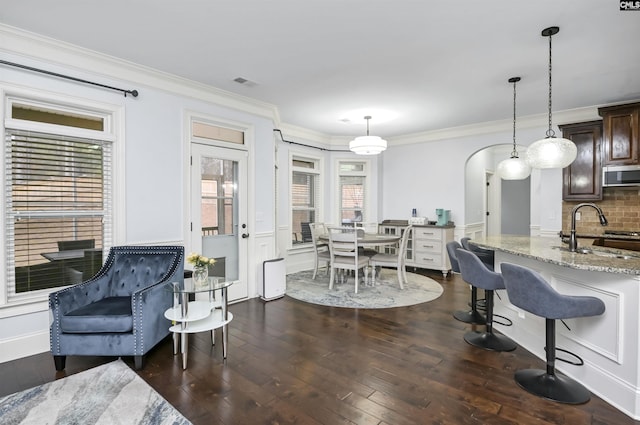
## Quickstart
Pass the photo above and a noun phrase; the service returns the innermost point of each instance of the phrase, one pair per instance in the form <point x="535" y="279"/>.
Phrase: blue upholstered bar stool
<point x="475" y="273"/>
<point x="531" y="292"/>
<point x="466" y="316"/>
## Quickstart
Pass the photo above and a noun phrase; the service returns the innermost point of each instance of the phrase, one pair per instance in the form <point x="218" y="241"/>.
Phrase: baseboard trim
<point x="24" y="346"/>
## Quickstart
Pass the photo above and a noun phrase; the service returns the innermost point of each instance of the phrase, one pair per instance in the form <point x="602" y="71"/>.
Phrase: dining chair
<point x="343" y="247"/>
<point x="320" y="249"/>
<point x="396" y="260"/>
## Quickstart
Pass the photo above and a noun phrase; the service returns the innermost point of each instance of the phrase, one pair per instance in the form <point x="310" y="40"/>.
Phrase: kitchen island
<point x="608" y="344"/>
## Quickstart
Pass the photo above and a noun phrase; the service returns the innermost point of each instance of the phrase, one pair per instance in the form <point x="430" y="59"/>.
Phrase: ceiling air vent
<point x="244" y="82"/>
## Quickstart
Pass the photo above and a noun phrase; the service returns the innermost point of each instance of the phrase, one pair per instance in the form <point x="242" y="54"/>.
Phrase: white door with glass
<point x="219" y="212"/>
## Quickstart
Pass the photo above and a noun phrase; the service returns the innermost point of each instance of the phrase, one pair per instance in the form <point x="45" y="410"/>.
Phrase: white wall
<point x="153" y="136"/>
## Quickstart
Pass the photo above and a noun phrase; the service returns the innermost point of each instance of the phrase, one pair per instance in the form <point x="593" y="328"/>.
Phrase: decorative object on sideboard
<point x="514" y="168"/>
<point x="367" y="145"/>
<point x="552" y="151"/>
<point x="443" y="216"/>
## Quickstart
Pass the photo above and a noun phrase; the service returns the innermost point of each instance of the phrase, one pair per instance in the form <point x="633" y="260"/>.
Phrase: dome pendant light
<point x="367" y="145"/>
<point x="552" y="151"/>
<point x="514" y="168"/>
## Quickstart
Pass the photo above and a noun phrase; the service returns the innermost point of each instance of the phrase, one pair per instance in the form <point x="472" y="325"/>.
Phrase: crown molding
<point x="531" y="121"/>
<point x="34" y="47"/>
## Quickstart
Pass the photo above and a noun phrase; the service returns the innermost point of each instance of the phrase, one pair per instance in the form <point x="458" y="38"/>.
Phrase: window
<point x="57" y="205"/>
<point x="352" y="179"/>
<point x="305" y="197"/>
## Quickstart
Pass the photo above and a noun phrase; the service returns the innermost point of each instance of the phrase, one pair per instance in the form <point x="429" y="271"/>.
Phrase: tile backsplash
<point x="621" y="206"/>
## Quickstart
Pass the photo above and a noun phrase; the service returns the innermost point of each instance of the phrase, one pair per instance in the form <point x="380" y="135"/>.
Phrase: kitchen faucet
<point x="573" y="240"/>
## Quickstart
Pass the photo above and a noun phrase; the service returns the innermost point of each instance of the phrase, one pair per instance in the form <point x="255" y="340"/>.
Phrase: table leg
<point x="225" y="334"/>
<point x="175" y="343"/>
<point x="184" y="337"/>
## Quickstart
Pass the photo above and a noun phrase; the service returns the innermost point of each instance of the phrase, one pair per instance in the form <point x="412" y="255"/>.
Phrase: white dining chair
<point x="343" y="247"/>
<point x="321" y="249"/>
<point x="396" y="260"/>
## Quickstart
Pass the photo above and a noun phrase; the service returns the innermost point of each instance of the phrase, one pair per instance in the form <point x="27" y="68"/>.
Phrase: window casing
<point x="58" y="192"/>
<point x="305" y="194"/>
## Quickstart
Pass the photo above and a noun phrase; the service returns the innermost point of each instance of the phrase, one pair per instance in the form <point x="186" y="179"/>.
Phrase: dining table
<point x="368" y="239"/>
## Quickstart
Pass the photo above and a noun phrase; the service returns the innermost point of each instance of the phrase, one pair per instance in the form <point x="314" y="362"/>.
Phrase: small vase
<point x="200" y="275"/>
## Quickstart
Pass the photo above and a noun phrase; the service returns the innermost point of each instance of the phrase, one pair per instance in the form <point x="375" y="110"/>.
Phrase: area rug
<point x="108" y="394"/>
<point x="386" y="293"/>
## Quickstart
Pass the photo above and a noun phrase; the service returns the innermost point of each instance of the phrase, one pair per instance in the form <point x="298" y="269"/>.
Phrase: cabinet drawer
<point x="426" y="245"/>
<point x="428" y="259"/>
<point x="426" y="233"/>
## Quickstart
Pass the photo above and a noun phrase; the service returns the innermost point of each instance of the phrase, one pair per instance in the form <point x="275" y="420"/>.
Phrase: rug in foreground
<point x="386" y="293"/>
<point x="107" y="394"/>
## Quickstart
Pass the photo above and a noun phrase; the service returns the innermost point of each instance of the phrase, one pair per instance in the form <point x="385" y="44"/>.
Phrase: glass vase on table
<point x="200" y="275"/>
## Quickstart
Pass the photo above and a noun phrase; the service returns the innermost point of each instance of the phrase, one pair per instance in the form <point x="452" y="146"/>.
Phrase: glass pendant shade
<point x="513" y="168"/>
<point x="551" y="152"/>
<point x="367" y="145"/>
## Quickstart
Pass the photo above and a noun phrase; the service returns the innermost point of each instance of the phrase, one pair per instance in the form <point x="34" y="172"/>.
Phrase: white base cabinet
<point x="427" y="246"/>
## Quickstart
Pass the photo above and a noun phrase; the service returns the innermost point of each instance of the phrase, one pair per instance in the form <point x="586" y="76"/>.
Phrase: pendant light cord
<point x="550" y="132"/>
<point x="514" y="153"/>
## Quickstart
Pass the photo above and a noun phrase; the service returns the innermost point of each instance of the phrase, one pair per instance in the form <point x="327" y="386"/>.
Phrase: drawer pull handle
<point x="428" y="259"/>
<point x="427" y="246"/>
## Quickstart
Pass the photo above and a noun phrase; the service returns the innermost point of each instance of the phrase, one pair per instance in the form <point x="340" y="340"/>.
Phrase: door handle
<point x="245" y="235"/>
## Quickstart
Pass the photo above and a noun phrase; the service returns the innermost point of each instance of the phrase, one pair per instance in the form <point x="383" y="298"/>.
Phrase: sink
<point x="599" y="253"/>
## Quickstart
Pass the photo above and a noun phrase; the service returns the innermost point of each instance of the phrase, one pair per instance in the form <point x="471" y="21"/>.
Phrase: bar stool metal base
<point x="552" y="387"/>
<point x="490" y="341"/>
<point x="471" y="316"/>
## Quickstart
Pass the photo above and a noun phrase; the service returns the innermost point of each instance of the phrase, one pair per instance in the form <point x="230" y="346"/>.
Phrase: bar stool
<point x="531" y="292"/>
<point x="470" y="316"/>
<point x="475" y="273"/>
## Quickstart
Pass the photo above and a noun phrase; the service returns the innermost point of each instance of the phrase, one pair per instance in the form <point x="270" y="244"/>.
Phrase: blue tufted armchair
<point x="119" y="311"/>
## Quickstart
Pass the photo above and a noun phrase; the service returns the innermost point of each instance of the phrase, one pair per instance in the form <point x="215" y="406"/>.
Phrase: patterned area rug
<point x="107" y="394"/>
<point x="385" y="294"/>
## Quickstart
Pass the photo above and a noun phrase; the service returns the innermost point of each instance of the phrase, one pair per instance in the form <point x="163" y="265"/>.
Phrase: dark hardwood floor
<point x="295" y="363"/>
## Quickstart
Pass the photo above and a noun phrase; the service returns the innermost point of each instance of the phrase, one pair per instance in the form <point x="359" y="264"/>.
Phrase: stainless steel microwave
<point x="621" y="175"/>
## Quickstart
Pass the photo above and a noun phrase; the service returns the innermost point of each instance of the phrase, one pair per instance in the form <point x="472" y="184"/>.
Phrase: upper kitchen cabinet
<point x="620" y="134"/>
<point x="582" y="180"/>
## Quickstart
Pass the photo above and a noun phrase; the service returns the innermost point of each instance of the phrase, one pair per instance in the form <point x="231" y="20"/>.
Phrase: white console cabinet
<point x="427" y="247"/>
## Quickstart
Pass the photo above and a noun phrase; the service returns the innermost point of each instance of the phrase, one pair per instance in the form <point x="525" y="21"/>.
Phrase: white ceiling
<point x="433" y="65"/>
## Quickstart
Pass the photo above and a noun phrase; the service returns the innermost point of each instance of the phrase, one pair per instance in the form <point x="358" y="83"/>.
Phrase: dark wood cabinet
<point x="620" y="134"/>
<point x="582" y="180"/>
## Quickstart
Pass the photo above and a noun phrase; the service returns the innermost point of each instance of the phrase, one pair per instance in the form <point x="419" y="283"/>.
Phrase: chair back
<point x="487" y="256"/>
<point x="305" y="229"/>
<point x="475" y="273"/>
<point x="317" y="229"/>
<point x="76" y="244"/>
<point x="453" y="257"/>
<point x="130" y="268"/>
<point x="404" y="242"/>
<point x="368" y="227"/>
<point x="528" y="290"/>
<point x="343" y="247"/>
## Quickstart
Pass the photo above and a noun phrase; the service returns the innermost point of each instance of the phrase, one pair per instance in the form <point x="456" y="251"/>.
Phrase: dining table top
<point x="370" y="238"/>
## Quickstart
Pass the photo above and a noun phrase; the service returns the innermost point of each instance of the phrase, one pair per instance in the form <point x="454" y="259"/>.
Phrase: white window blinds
<point x="58" y="209"/>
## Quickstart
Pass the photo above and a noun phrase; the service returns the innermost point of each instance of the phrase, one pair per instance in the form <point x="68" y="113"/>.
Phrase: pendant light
<point x="367" y="145"/>
<point x="552" y="151"/>
<point x="514" y="168"/>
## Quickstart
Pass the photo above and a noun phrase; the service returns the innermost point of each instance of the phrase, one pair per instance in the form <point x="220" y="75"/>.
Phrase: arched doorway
<point x="494" y="206"/>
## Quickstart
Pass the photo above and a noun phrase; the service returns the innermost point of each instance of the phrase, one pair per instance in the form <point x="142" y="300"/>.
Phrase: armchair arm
<point x="80" y="295"/>
<point x="148" y="306"/>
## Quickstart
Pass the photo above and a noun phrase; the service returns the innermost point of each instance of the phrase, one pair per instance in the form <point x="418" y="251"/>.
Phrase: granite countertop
<point x="552" y="250"/>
